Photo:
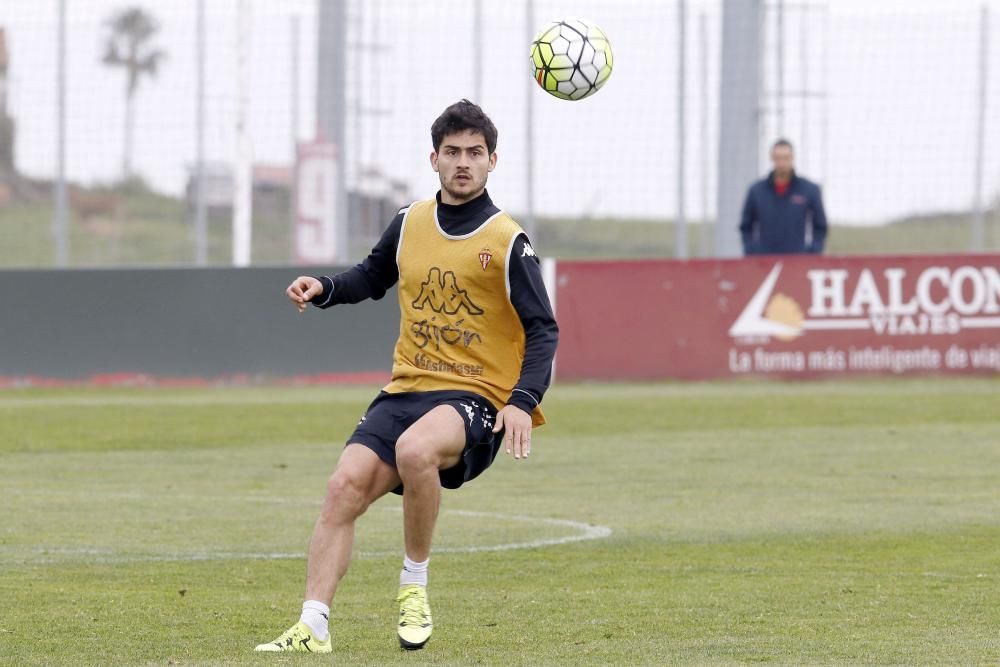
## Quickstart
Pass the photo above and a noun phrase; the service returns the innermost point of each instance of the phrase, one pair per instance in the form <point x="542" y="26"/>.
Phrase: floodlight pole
<point x="681" y="251"/>
<point x="200" y="209"/>
<point x="704" y="238"/>
<point x="243" y="164"/>
<point x="294" y="136"/>
<point x="60" y="229"/>
<point x="331" y="107"/>
<point x="977" y="193"/>
<point x="804" y="58"/>
<point x="477" y="51"/>
<point x="739" y="115"/>
<point x="780" y="67"/>
<point x="529" y="135"/>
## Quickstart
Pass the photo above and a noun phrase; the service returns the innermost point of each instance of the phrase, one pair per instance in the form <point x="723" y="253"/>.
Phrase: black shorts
<point x="391" y="414"/>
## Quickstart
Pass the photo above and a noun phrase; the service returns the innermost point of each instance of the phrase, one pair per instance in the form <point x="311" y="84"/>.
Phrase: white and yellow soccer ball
<point x="571" y="59"/>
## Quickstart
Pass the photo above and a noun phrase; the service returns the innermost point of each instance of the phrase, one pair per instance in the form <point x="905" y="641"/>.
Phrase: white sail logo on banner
<point x="942" y="301"/>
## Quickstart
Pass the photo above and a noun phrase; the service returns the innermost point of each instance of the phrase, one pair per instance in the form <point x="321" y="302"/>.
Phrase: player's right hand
<point x="302" y="290"/>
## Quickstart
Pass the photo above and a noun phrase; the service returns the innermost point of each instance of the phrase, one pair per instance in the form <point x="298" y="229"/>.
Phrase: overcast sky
<point x="894" y="134"/>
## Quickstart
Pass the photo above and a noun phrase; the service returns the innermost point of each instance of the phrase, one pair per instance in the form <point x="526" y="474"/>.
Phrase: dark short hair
<point x="460" y="116"/>
<point x="783" y="142"/>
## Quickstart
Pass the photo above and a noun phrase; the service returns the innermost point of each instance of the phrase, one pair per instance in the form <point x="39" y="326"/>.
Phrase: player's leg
<point x="433" y="443"/>
<point x="359" y="479"/>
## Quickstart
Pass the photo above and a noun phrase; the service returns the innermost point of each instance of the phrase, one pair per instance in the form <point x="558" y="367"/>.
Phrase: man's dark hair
<point x="783" y="142"/>
<point x="460" y="116"/>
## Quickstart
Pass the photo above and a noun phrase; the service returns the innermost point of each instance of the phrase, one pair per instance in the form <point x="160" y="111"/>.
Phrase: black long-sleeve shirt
<point x="378" y="272"/>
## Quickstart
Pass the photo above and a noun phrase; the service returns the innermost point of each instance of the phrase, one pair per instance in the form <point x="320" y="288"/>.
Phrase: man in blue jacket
<point x="783" y="213"/>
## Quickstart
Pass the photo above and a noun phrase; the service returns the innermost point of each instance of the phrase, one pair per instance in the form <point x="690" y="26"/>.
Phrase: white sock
<point x="413" y="572"/>
<point x="316" y="615"/>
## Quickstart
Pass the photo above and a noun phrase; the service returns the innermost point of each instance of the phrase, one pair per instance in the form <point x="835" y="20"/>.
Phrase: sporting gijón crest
<point x="484" y="257"/>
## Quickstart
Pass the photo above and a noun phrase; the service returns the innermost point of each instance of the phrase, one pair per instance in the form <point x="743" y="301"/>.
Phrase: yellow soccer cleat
<point x="415" y="625"/>
<point x="297" y="638"/>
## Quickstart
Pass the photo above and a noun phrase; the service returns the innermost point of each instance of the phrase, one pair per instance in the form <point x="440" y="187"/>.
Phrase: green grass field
<point x="840" y="523"/>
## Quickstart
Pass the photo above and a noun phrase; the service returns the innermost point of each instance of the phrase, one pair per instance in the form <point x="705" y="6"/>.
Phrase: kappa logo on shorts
<point x="487" y="420"/>
<point x="469" y="412"/>
<point x="363" y="418"/>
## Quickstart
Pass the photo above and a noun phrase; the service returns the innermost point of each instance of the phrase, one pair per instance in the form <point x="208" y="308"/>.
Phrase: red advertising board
<point x="795" y="316"/>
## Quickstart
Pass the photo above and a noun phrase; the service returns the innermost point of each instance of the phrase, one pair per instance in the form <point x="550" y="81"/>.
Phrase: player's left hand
<point x="517" y="439"/>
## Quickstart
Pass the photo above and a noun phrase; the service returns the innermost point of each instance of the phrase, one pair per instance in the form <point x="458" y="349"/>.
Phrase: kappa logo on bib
<point x="443" y="295"/>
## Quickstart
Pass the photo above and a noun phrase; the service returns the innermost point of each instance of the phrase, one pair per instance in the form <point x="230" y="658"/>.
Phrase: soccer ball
<point x="571" y="59"/>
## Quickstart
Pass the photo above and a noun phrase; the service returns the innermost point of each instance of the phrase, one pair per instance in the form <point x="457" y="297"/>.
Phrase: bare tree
<point x="130" y="31"/>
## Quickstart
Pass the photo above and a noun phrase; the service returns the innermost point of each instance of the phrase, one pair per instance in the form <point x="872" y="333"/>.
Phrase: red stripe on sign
<point x="236" y="379"/>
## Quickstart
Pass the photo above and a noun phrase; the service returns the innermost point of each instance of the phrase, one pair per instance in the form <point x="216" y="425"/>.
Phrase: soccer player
<point x="471" y="365"/>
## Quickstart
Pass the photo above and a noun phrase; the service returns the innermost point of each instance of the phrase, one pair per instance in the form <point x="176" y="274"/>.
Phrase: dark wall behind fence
<point x="183" y="323"/>
<point x="787" y="317"/>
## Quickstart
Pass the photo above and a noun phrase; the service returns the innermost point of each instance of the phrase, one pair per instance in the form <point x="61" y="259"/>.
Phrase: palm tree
<point x="127" y="46"/>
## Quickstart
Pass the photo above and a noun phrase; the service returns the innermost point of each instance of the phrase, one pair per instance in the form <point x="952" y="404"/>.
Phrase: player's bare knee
<point x="345" y="497"/>
<point x="415" y="455"/>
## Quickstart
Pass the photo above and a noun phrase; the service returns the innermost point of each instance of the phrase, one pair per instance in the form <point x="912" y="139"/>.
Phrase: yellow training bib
<point x="457" y="327"/>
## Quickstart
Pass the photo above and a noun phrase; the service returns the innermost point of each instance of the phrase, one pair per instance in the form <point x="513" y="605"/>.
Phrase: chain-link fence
<point x="891" y="107"/>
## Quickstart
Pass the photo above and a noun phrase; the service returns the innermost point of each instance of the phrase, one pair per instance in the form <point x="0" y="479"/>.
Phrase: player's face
<point x="463" y="164"/>
<point x="784" y="161"/>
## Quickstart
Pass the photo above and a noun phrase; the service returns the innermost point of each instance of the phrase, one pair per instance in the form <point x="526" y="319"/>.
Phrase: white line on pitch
<point x="102" y="556"/>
